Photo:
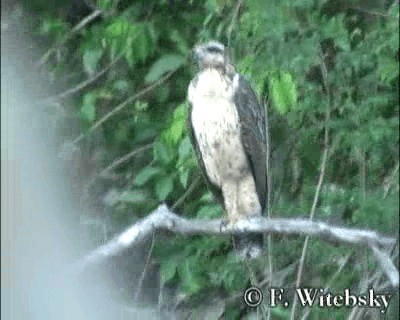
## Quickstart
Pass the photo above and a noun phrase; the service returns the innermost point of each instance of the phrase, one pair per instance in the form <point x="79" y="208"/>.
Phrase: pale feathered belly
<point x="217" y="131"/>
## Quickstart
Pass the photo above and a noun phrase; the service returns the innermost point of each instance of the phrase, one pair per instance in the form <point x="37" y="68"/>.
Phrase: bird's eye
<point x="214" y="49"/>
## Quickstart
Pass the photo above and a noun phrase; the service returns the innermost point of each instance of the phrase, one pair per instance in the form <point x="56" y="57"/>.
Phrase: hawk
<point x="227" y="128"/>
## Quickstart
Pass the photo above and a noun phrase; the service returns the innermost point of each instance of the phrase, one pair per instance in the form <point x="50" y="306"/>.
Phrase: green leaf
<point x="207" y="197"/>
<point x="189" y="273"/>
<point x="146" y="174"/>
<point x="210" y="211"/>
<point x="118" y="36"/>
<point x="180" y="41"/>
<point x="211" y="5"/>
<point x="118" y="28"/>
<point x="145" y="41"/>
<point x="169" y="62"/>
<point x="163" y="94"/>
<point x="51" y="26"/>
<point x="177" y="130"/>
<point x="335" y="29"/>
<point x="105" y="5"/>
<point x="184" y="177"/>
<point x="164" y="187"/>
<point x="91" y="59"/>
<point x="232" y="313"/>
<point x="130" y="55"/>
<point x="141" y="106"/>
<point x="284" y="92"/>
<point x="281" y="312"/>
<point x="121" y="85"/>
<point x="88" y="109"/>
<point x="174" y="133"/>
<point x="388" y="68"/>
<point x="133" y="196"/>
<point x="185" y="148"/>
<point x="168" y="269"/>
<point x="121" y="133"/>
<point x="162" y="153"/>
<point x="235" y="277"/>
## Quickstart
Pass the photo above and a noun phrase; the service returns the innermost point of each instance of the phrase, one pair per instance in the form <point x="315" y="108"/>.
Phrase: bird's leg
<point x="224" y="224"/>
<point x="230" y="193"/>
<point x="249" y="202"/>
<point x="226" y="221"/>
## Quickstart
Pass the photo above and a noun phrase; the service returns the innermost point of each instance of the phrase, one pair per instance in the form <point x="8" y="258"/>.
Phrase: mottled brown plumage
<point x="228" y="134"/>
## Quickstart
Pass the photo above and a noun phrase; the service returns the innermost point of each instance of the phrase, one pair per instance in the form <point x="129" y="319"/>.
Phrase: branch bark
<point x="122" y="105"/>
<point x="164" y="219"/>
<point x="74" y="30"/>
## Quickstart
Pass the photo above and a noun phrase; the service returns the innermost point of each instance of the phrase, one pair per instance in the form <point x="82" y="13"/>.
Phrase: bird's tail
<point x="248" y="246"/>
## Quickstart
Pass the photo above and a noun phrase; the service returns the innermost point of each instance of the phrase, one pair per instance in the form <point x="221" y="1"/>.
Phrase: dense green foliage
<point x="322" y="65"/>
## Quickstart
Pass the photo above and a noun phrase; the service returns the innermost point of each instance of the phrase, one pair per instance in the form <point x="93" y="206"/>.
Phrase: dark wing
<point x="214" y="189"/>
<point x="252" y="120"/>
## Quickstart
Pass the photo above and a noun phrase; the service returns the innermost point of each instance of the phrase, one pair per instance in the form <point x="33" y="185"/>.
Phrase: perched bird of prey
<point x="227" y="126"/>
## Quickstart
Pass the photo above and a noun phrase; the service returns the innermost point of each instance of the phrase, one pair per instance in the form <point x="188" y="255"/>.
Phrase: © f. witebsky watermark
<point x="318" y="297"/>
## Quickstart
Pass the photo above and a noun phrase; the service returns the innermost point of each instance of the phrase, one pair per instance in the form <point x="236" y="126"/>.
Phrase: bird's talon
<point x="223" y="225"/>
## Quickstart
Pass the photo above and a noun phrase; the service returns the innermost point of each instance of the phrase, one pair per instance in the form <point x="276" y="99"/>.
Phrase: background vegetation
<point x="328" y="71"/>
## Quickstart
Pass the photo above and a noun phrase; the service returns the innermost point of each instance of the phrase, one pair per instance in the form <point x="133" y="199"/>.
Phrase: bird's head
<point x="211" y="54"/>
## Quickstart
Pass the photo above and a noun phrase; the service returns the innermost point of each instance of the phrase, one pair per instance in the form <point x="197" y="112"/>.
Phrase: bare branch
<point x="386" y="264"/>
<point x="74" y="30"/>
<point x="164" y="219"/>
<point x="330" y="282"/>
<point x="189" y="190"/>
<point x="123" y="105"/>
<point x="375" y="281"/>
<point x="106" y="172"/>
<point x="371" y="12"/>
<point x="390" y="180"/>
<point x="141" y="280"/>
<point x="233" y="21"/>
<point x="124" y="158"/>
<point x="82" y="85"/>
<point x="324" y="161"/>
